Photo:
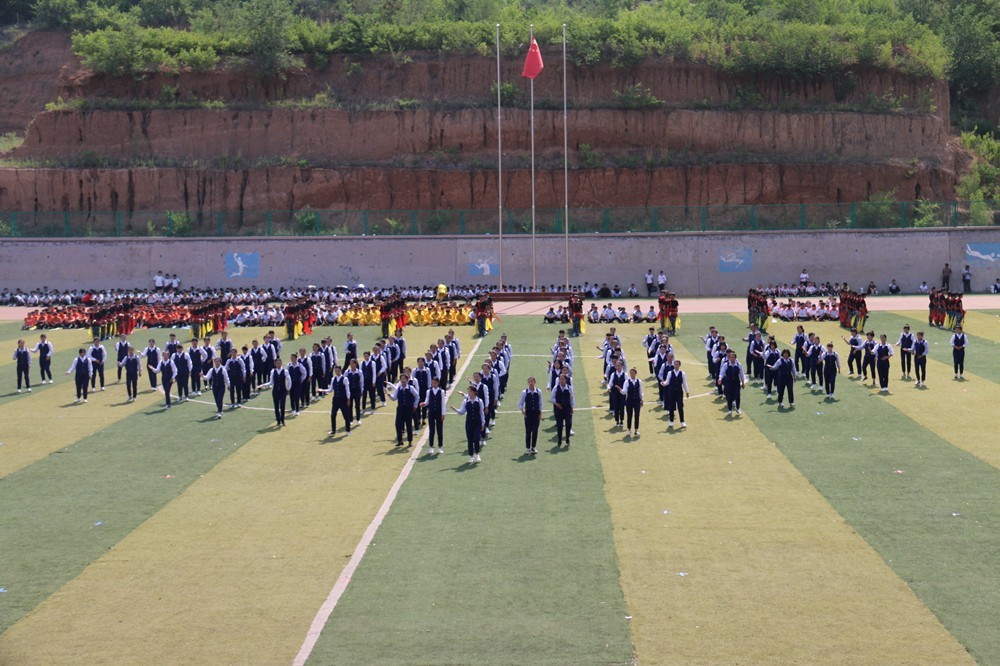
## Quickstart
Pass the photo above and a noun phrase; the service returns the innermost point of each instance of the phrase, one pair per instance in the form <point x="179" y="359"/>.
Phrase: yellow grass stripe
<point x="750" y="564"/>
<point x="27" y="438"/>
<point x="234" y="569"/>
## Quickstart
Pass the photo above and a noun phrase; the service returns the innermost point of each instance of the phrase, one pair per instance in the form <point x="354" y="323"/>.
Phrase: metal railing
<point x="654" y="219"/>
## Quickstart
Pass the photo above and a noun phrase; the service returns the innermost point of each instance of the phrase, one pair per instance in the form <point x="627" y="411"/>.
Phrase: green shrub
<point x="637" y="97"/>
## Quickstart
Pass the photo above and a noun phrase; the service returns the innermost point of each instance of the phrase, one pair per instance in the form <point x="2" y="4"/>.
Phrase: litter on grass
<point x="666" y="511"/>
<point x="898" y="471"/>
<point x="682" y="573"/>
<point x="98" y="523"/>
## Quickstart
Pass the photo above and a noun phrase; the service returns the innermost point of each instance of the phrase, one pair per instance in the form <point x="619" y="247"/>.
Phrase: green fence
<point x="657" y="219"/>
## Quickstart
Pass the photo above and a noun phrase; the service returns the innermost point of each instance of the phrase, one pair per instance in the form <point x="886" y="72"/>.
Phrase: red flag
<point x="533" y="63"/>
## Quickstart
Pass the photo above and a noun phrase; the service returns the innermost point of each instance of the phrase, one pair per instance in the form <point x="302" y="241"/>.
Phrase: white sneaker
<point x="956" y="376"/>
<point x="102" y="388"/>
<point x="738" y="412"/>
<point x="791" y="404"/>
<point x="781" y="405"/>
<point x="684" y="425"/>
<point x="218" y="415"/>
<point x="670" y="425"/>
<point x="479" y="458"/>
<point x="637" y="433"/>
<point x="85" y="400"/>
<point x="18" y="390"/>
<point x="572" y="433"/>
<point x="729" y="413"/>
<point x="472" y="459"/>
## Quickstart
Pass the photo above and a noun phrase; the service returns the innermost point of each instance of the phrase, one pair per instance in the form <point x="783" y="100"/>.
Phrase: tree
<point x="267" y="26"/>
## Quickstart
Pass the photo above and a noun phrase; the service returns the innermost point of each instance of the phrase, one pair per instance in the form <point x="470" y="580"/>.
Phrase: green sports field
<point x="860" y="530"/>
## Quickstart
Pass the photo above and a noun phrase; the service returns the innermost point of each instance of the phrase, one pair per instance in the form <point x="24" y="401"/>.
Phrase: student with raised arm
<point x="784" y="374"/>
<point x="340" y="390"/>
<point x="97" y="357"/>
<point x="733" y="380"/>
<point x="167" y="371"/>
<point x="854" y="356"/>
<point x="434" y="410"/>
<point x="217" y="379"/>
<point x="407" y="398"/>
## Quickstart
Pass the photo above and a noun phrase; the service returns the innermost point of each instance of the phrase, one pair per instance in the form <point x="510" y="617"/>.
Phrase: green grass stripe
<point x="508" y="562"/>
<point x="63" y="512"/>
<point x="927" y="507"/>
<point x="983" y="323"/>
<point x="982" y="358"/>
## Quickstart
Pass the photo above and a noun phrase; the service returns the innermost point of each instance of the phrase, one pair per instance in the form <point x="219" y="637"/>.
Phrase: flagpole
<point x="533" y="281"/>
<point x="565" y="163"/>
<point x="499" y="163"/>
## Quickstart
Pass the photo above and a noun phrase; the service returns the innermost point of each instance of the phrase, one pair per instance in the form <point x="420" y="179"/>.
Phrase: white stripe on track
<point x="323" y="615"/>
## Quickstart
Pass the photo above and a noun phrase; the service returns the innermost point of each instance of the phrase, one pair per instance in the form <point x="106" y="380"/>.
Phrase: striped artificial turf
<point x="507" y="562"/>
<point x="927" y="507"/>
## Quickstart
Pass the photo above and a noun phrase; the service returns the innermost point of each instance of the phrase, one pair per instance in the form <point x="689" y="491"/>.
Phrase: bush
<point x="927" y="214"/>
<point x="55" y="14"/>
<point x="638" y="97"/>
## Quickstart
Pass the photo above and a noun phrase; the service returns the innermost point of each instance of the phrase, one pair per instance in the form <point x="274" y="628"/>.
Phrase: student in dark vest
<point x="260" y="372"/>
<point x="799" y="343"/>
<point x="340" y="390"/>
<point x="248" y="372"/>
<point x="530" y="405"/>
<point x="330" y="356"/>
<point x="350" y="349"/>
<point x="757" y="348"/>
<point x="121" y="351"/>
<point x="733" y="381"/>
<point x="868" y="362"/>
<point x="959" y="341"/>
<point x="784" y="375"/>
<point x="151" y="356"/>
<point x="280" y="383"/>
<point x="224" y="346"/>
<point x="815" y="361"/>
<point x="369" y="374"/>
<point x="217" y="379"/>
<point x="171" y="345"/>
<point x="854" y="355"/>
<point x="831" y="368"/>
<point x="297" y="372"/>
<point x="883" y="352"/>
<point x="167" y="371"/>
<point x="22" y="358"/>
<point x="355" y="381"/>
<point x="920" y="350"/>
<point x="317" y="381"/>
<point x="132" y="365"/>
<point x="97" y="355"/>
<point x="306" y="362"/>
<point x="563" y="403"/>
<point x="475" y="422"/>
<point x="198" y="363"/>
<point x="677" y="390"/>
<point x="434" y="410"/>
<point x="616" y="392"/>
<point x="234" y="368"/>
<point x="422" y="375"/>
<point x="82" y="371"/>
<point x="905" y="344"/>
<point x="182" y="375"/>
<point x="771" y="356"/>
<point x="406" y="398"/>
<point x="632" y="397"/>
<point x="44" y="349"/>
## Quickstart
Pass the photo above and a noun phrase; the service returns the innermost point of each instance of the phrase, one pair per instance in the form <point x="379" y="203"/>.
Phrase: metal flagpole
<point x="565" y="163"/>
<point x="533" y="281"/>
<point x="499" y="162"/>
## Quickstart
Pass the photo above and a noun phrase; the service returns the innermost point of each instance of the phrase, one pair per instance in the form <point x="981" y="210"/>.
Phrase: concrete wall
<point x="712" y="264"/>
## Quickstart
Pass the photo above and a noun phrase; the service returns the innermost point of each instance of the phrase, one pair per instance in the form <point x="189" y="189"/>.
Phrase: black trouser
<point x="816" y="371"/>
<point x="906" y="361"/>
<point x="921" y="367"/>
<point x="196" y="379"/>
<point x="120" y="368"/>
<point x="22" y="372"/>
<point x="280" y="396"/>
<point x="132" y="384"/>
<point x="404" y="420"/>
<point x="98" y="370"/>
<point x="436" y="423"/>
<point x="632" y="410"/>
<point x="800" y="360"/>
<point x="618" y="406"/>
<point x="830" y="377"/>
<point x="712" y="370"/>
<point x="768" y="380"/>
<point x="958" y="359"/>
<point x="152" y="379"/>
<point x="296" y="395"/>
<point x="380" y="389"/>
<point x="247" y="382"/>
<point x="651" y="360"/>
<point x="576" y="326"/>
<point x="732" y="391"/>
<point x="531" y="422"/>
<point x="854" y="361"/>
<point x="368" y="395"/>
<point x="883" y="373"/>
<point x="474" y="436"/>
<point x="219" y="392"/>
<point x="869" y="362"/>
<point x="757" y="363"/>
<point x="675" y="401"/>
<point x="182" y="386"/>
<point x="342" y="406"/>
<point x="45" y="366"/>
<point x="786" y="384"/>
<point x="235" y="389"/>
<point x="564" y="418"/>
<point x="481" y="326"/>
<point x="81" y="386"/>
<point x="167" y="384"/>
<point x="503" y="383"/>
<point x="317" y="382"/>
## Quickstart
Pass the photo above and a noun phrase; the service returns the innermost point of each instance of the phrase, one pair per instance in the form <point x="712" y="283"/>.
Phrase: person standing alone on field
<point x="649" y="282"/>
<point x="967" y="280"/>
<point x="946" y="277"/>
